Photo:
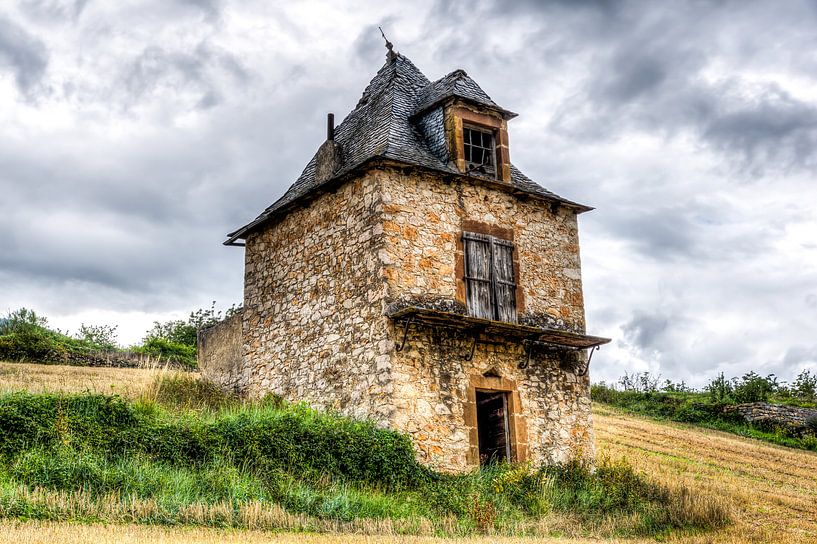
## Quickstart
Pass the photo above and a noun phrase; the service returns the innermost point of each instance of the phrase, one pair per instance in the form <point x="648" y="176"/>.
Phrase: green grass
<point x="698" y="409"/>
<point x="195" y="450"/>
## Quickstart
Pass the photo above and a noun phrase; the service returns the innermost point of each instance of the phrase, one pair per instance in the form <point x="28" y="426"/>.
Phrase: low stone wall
<point x="763" y="411"/>
<point x="220" y="352"/>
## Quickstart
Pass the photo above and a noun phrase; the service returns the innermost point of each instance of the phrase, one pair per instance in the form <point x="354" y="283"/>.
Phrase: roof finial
<point x="391" y="55"/>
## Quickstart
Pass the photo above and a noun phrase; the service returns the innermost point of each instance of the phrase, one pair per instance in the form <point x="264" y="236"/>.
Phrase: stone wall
<point x="313" y="323"/>
<point x="318" y="282"/>
<point x="221" y="352"/>
<point x="777" y="413"/>
<point x="432" y="380"/>
<point x="423" y="222"/>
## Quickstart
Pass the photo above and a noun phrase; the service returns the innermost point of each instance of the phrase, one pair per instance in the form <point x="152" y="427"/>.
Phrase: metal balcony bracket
<point x="527" y="345"/>
<point x="473" y="348"/>
<point x="589" y="358"/>
<point x="406" y="324"/>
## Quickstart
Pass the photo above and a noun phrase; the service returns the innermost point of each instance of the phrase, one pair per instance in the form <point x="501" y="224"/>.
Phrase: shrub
<point x="720" y="390"/>
<point x="640" y="383"/>
<point x="183" y="332"/>
<point x="601" y="392"/>
<point x="161" y="347"/>
<point x="102" y="337"/>
<point x="805" y="386"/>
<point x="20" y="321"/>
<point x="31" y="345"/>
<point x="292" y="438"/>
<point x="754" y="388"/>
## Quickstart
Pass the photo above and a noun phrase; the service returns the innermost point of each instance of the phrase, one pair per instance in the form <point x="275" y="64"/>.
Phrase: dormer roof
<point x="457" y="84"/>
<point x="383" y="126"/>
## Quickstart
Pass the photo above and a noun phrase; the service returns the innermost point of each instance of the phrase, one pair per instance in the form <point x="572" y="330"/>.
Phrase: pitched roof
<point x="456" y="84"/>
<point x="381" y="126"/>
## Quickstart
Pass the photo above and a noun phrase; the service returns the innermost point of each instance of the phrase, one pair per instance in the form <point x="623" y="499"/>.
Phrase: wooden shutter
<point x="489" y="277"/>
<point x="478" y="264"/>
<point x="504" y="285"/>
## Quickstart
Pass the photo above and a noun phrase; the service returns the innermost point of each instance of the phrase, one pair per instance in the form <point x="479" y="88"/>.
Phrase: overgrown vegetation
<point x="186" y="453"/>
<point x="642" y="394"/>
<point x="26" y="336"/>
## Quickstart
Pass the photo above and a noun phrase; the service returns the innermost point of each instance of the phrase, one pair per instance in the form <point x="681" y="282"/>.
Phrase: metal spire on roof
<point x="391" y="55"/>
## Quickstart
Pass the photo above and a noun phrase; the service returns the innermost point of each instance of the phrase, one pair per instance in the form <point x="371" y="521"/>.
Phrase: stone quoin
<point x="413" y="276"/>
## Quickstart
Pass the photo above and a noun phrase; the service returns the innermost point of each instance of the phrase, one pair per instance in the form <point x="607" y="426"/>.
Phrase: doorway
<point x="493" y="427"/>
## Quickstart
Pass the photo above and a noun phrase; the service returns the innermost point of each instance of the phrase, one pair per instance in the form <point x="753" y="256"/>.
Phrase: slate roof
<point x="383" y="126"/>
<point x="456" y="84"/>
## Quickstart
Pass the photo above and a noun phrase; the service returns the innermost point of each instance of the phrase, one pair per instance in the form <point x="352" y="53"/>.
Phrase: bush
<point x="805" y="387"/>
<point x="720" y="390"/>
<point x="102" y="337"/>
<point x="308" y="462"/>
<point x="171" y="351"/>
<point x="181" y="332"/>
<point x="21" y="321"/>
<point x="31" y="345"/>
<point x="25" y="336"/>
<point x="292" y="438"/>
<point x="754" y="388"/>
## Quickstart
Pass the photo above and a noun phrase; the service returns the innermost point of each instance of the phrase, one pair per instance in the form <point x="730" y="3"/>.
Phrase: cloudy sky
<point x="134" y="135"/>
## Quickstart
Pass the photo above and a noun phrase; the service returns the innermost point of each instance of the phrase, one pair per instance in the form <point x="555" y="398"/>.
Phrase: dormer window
<point x="479" y="148"/>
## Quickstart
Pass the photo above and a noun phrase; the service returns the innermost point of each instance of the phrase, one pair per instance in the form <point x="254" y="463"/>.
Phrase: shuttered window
<point x="489" y="277"/>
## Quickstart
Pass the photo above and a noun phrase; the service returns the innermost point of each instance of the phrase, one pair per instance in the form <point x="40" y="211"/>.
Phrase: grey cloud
<point x="24" y="54"/>
<point x="774" y="127"/>
<point x="665" y="233"/>
<point x="800" y="356"/>
<point x="211" y="8"/>
<point x="155" y="68"/>
<point x="54" y="10"/>
<point x="647" y="330"/>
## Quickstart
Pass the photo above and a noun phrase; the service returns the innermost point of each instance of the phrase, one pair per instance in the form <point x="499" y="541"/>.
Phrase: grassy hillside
<point x="702" y="410"/>
<point x="770" y="492"/>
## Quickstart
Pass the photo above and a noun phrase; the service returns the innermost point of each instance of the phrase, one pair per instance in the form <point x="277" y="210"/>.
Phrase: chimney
<point x="330" y="127"/>
<point x="328" y="160"/>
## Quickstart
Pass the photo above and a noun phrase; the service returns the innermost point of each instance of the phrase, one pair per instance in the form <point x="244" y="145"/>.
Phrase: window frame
<point x="487" y="151"/>
<point x="496" y="284"/>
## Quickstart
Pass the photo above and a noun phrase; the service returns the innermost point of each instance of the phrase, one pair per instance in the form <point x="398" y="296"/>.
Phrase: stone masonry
<point x="355" y="294"/>
<point x="319" y="282"/>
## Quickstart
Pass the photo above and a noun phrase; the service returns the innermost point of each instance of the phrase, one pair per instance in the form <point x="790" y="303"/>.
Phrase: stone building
<point x="414" y="276"/>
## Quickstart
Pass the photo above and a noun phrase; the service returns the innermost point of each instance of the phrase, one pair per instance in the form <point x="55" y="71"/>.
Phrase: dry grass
<point x="65" y="533"/>
<point x="771" y="490"/>
<point x="38" y="378"/>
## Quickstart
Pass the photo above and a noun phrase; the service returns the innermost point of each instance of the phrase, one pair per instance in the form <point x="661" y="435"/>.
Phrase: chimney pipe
<point x="330" y="127"/>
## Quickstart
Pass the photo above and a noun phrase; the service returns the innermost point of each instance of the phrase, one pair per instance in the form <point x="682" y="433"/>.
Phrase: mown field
<point x="770" y="491"/>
